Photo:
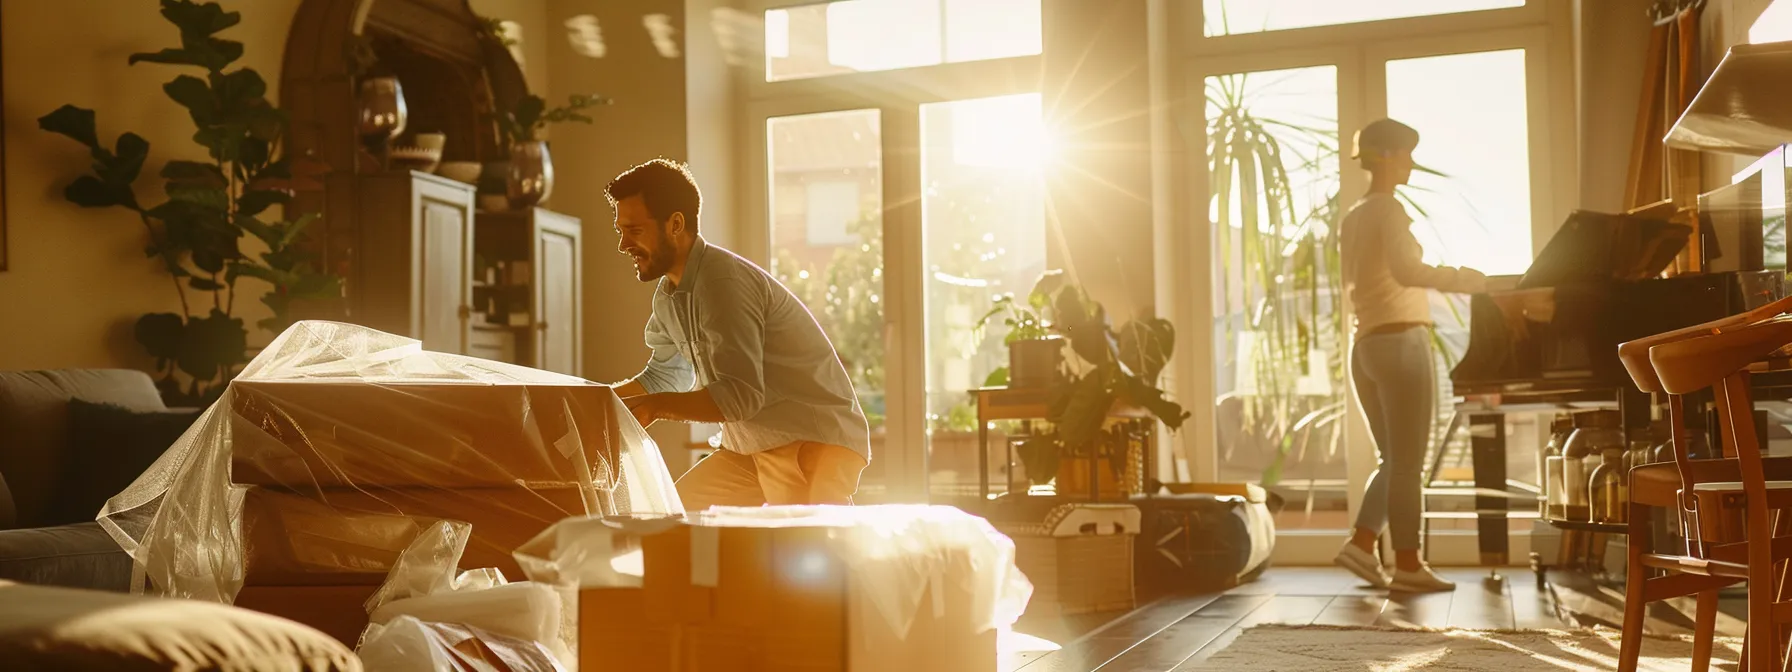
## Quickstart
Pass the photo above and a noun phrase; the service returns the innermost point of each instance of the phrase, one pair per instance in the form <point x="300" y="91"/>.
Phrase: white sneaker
<point x="1422" y="581"/>
<point x="1363" y="564"/>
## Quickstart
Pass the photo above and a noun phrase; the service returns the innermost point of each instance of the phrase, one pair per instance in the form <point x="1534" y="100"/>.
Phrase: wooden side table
<point x="1031" y="404"/>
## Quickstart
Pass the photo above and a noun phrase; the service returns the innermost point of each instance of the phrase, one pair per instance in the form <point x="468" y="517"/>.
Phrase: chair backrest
<point x="1635" y="354"/>
<point x="1721" y="361"/>
<point x="34" y="429"/>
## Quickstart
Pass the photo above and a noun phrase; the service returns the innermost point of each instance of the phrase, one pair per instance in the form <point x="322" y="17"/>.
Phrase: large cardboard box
<point x="746" y="599"/>
<point x="353" y="537"/>
<point x="309" y="435"/>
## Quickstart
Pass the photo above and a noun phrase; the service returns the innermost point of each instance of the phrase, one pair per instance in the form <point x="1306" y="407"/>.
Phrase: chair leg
<point x="1630" y="642"/>
<point x="1703" y="630"/>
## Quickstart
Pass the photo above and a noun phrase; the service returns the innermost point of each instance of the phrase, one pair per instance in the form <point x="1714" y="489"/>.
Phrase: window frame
<point x="898" y="95"/>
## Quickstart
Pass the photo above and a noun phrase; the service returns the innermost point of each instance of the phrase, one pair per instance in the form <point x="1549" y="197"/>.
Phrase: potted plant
<point x="531" y="168"/>
<point x="1035" y="354"/>
<point x="210" y="206"/>
<point x="1108" y="367"/>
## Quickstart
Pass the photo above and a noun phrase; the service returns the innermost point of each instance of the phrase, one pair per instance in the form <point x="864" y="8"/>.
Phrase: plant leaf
<point x="194" y="174"/>
<point x="195" y="95"/>
<point x="88" y="191"/>
<point x="212" y="344"/>
<point x="74" y="122"/>
<point x="127" y="163"/>
<point x="255" y="201"/>
<point x="160" y="334"/>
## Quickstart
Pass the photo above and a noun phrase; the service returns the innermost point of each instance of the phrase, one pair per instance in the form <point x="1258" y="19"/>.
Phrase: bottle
<point x="1555" y="497"/>
<point x="1606" y="488"/>
<point x="1594" y="433"/>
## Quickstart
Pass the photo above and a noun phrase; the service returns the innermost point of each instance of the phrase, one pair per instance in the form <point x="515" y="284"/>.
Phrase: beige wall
<point x="679" y="108"/>
<point x="1611" y="41"/>
<point x="1097" y="103"/>
<point x="77" y="279"/>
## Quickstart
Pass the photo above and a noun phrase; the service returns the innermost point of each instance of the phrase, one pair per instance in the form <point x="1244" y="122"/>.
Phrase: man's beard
<point x="658" y="261"/>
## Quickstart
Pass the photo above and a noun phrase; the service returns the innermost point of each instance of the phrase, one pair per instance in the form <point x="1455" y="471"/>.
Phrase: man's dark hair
<point x="664" y="185"/>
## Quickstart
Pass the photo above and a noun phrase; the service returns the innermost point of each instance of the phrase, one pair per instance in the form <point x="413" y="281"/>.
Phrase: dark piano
<point x="1552" y="338"/>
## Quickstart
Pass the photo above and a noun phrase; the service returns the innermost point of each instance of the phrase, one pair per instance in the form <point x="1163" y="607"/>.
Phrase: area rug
<point x="1285" y="648"/>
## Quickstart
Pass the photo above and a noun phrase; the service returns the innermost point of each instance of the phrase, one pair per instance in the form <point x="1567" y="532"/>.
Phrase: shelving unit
<point x="527" y="297"/>
<point x="1744" y="108"/>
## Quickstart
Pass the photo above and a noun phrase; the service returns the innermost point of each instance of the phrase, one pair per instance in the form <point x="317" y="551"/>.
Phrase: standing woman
<point x="1391" y="363"/>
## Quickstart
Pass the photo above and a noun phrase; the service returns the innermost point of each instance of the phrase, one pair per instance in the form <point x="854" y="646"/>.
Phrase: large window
<point x="983" y="215"/>
<point x="1233" y="17"/>
<point x="1473" y="204"/>
<point x="874" y="35"/>
<point x="902" y="203"/>
<point x="826" y="203"/>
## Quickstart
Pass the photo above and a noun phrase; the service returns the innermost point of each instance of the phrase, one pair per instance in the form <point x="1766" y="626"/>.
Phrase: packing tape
<point x="706" y="550"/>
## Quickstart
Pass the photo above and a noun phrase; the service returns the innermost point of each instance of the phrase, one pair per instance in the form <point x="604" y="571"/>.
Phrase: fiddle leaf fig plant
<point x="196" y="232"/>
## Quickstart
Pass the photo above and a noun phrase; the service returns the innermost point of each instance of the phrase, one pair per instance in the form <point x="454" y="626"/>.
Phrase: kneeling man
<point x="732" y="346"/>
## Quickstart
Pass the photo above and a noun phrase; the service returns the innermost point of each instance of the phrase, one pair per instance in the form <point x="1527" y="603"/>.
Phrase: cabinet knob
<point x="465" y="312"/>
<point x="541" y="326"/>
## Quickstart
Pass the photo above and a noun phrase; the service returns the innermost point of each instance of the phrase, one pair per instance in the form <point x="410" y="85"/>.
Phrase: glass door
<point x="1279" y="340"/>
<point x="825" y="204"/>
<point x="1277" y="132"/>
<point x="984" y="236"/>
<point x="1482" y="200"/>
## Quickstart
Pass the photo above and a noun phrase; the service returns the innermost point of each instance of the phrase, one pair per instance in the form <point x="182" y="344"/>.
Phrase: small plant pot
<point x="1036" y="363"/>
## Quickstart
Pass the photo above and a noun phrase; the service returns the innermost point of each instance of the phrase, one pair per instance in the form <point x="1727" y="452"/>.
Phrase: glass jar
<point x="1555" y="497"/>
<point x="1606" y="489"/>
<point x="1594" y="433"/>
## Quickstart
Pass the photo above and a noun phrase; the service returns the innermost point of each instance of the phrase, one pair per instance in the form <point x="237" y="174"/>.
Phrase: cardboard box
<point x="310" y="435"/>
<point x="1079" y="558"/>
<point x="353" y="537"/>
<point x="1077" y="575"/>
<point x="762" y="599"/>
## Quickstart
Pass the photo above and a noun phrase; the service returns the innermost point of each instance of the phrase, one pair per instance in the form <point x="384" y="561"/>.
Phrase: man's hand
<point x="644" y="408"/>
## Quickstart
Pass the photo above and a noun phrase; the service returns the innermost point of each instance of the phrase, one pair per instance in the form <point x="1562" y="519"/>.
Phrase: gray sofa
<point x="33" y="439"/>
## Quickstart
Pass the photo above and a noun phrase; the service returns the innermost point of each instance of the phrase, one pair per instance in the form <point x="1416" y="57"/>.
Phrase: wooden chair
<point x="1721" y="361"/>
<point x="1673" y="486"/>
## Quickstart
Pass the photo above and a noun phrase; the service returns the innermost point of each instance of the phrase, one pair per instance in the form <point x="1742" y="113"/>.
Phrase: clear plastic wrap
<point x="408" y="644"/>
<point x="350" y="445"/>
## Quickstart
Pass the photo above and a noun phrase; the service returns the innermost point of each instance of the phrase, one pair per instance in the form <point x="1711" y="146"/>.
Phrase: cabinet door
<point x="558" y="311"/>
<point x="445" y="268"/>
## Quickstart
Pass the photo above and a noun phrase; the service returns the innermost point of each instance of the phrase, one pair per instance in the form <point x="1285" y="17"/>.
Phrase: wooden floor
<point x="1175" y="632"/>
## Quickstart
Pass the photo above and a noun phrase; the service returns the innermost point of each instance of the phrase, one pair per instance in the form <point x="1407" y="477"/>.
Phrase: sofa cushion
<point x="72" y="556"/>
<point x="46" y="628"/>
<point x="108" y="448"/>
<point x="34" y="426"/>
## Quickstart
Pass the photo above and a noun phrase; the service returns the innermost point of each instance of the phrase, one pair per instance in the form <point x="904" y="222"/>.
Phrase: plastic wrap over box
<point x="334" y="422"/>
<point x="776" y="588"/>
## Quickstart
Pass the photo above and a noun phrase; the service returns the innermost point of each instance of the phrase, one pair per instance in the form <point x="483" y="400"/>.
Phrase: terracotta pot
<point x="1035" y="363"/>
<point x="531" y="174"/>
